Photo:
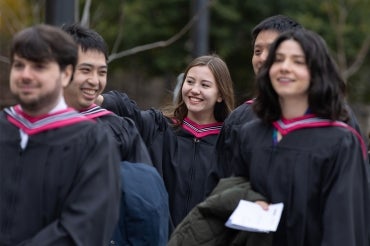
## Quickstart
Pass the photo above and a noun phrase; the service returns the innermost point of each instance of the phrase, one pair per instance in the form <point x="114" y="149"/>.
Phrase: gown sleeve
<point x="91" y="208"/>
<point x="223" y="150"/>
<point x="149" y="122"/>
<point x="345" y="197"/>
<point x="131" y="144"/>
<point x="121" y="104"/>
<point x="136" y="147"/>
<point x="234" y="158"/>
<point x="353" y="122"/>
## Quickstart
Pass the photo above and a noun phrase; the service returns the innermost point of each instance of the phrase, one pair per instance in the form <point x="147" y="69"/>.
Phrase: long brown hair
<point x="224" y="83"/>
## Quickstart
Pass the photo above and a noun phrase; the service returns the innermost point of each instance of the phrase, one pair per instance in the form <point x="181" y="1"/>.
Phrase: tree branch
<point x="361" y="55"/>
<point x="119" y="37"/>
<point x="4" y="59"/>
<point x="160" y="44"/>
<point x="85" y="19"/>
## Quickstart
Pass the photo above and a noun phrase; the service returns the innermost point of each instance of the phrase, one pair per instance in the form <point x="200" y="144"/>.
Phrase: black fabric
<point x="62" y="189"/>
<point x="239" y="116"/>
<point x="244" y="114"/>
<point x="128" y="139"/>
<point x="183" y="161"/>
<point x="144" y="200"/>
<point x="321" y="176"/>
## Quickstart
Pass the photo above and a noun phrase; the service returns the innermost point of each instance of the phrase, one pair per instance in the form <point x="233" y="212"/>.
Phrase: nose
<point x="285" y="65"/>
<point x="26" y="73"/>
<point x="195" y="89"/>
<point x="93" y="79"/>
<point x="259" y="60"/>
<point x="263" y="56"/>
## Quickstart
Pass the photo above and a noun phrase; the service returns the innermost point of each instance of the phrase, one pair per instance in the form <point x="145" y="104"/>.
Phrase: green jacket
<point x="205" y="224"/>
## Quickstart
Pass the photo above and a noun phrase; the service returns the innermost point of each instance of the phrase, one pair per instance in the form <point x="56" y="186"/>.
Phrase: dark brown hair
<point x="42" y="43"/>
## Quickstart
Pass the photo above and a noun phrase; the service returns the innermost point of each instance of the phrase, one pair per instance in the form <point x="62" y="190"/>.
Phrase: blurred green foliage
<point x="125" y="24"/>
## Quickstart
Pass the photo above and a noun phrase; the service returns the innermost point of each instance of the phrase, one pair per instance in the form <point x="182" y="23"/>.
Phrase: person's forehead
<point x="201" y="72"/>
<point x="21" y="58"/>
<point x="290" y="47"/>
<point x="94" y="57"/>
<point x="266" y="37"/>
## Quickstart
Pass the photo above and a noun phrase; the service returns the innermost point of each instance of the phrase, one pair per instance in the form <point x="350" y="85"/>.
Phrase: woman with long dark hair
<point x="301" y="152"/>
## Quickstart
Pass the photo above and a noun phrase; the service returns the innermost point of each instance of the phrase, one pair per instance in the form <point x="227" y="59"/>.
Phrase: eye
<point x="103" y="72"/>
<point x="189" y="81"/>
<point x="278" y="58"/>
<point x="39" y="66"/>
<point x="257" y="51"/>
<point x="84" y="69"/>
<point x="300" y="61"/>
<point x="18" y="65"/>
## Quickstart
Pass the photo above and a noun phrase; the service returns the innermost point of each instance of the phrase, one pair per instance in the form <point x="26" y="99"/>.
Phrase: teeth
<point x="284" y="80"/>
<point x="89" y="91"/>
<point x="194" y="99"/>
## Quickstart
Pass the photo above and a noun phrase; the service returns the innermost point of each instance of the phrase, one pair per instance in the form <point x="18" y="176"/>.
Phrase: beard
<point x="43" y="102"/>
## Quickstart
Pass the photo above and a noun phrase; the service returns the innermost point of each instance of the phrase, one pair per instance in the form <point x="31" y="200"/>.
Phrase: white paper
<point x="249" y="216"/>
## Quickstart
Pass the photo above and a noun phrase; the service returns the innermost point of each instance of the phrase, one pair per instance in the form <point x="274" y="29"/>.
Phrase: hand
<point x="264" y="205"/>
<point x="99" y="100"/>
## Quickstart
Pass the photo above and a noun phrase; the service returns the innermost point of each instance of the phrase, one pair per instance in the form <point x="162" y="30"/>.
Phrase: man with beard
<point x="58" y="169"/>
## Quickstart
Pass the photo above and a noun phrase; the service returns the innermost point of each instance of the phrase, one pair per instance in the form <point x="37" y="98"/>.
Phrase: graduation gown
<point x="144" y="212"/>
<point x="230" y="129"/>
<point x="125" y="133"/>
<point x="63" y="187"/>
<point x="318" y="170"/>
<point x="183" y="156"/>
<point x="244" y="114"/>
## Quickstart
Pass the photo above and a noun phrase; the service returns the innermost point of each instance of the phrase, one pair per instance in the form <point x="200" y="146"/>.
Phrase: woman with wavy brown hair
<point x="181" y="139"/>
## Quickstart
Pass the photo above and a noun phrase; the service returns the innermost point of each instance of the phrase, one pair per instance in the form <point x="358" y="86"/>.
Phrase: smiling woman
<point x="301" y="151"/>
<point x="290" y="78"/>
<point x="200" y="94"/>
<point x="181" y="139"/>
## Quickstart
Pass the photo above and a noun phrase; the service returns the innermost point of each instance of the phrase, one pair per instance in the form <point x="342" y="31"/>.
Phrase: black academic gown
<point x="318" y="172"/>
<point x="183" y="158"/>
<point x="144" y="212"/>
<point x="62" y="189"/>
<point x="230" y="129"/>
<point x="244" y="114"/>
<point x="125" y="133"/>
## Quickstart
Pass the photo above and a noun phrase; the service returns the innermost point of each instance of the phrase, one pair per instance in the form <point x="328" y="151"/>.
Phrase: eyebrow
<point x="203" y="80"/>
<point x="295" y="56"/>
<point x="262" y="44"/>
<point x="91" y="65"/>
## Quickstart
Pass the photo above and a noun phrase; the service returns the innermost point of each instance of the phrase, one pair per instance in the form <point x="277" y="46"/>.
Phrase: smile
<point x="90" y="92"/>
<point x="195" y="99"/>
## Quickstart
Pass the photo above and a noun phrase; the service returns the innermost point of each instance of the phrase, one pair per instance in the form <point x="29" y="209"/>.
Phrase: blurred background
<point x="151" y="41"/>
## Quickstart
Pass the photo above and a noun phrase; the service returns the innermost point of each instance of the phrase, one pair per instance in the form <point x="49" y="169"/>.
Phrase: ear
<point x="66" y="75"/>
<point x="219" y="99"/>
